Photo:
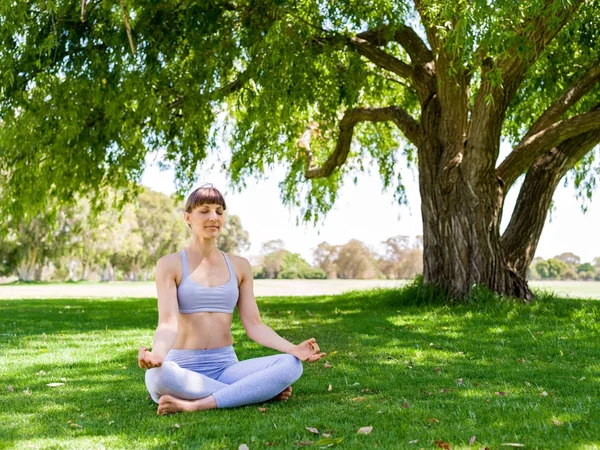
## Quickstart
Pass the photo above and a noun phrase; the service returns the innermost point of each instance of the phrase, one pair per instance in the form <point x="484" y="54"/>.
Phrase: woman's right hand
<point x="146" y="360"/>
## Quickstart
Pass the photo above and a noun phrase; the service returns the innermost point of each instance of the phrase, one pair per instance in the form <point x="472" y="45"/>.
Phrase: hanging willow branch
<point x="127" y="27"/>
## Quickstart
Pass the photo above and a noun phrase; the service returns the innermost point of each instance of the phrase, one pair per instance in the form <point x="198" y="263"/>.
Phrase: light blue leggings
<point x="194" y="374"/>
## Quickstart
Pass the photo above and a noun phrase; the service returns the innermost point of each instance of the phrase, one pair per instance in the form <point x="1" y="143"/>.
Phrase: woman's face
<point x="206" y="220"/>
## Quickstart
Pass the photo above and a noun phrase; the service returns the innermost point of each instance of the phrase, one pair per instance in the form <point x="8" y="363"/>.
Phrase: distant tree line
<point x="398" y="257"/>
<point x="77" y="244"/>
<point x="566" y="266"/>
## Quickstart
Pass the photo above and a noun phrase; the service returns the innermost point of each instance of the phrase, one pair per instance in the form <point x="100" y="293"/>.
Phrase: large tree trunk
<point x="461" y="237"/>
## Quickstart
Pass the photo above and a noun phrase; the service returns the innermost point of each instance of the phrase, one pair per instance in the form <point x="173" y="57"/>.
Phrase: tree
<point x="325" y="256"/>
<point x="551" y="269"/>
<point x="401" y="259"/>
<point x="324" y="88"/>
<point x="356" y="261"/>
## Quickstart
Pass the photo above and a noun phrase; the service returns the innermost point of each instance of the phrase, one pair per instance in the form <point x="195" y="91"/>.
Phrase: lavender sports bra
<point x="192" y="297"/>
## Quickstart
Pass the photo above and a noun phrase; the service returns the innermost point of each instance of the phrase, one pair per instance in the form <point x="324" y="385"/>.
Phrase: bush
<point x="288" y="274"/>
<point x="313" y="273"/>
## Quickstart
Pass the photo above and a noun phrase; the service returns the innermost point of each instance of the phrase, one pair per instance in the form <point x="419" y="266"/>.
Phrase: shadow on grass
<point x="503" y="370"/>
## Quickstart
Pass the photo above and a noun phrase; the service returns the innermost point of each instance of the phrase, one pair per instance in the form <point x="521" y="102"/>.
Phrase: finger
<point x="316" y="348"/>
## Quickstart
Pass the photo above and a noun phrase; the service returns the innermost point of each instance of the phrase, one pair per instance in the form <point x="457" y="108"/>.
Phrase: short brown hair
<point x="204" y="195"/>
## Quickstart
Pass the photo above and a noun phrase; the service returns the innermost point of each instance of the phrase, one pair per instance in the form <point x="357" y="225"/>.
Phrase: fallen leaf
<point x="330" y="388"/>
<point x="10" y="389"/>
<point x="365" y="430"/>
<point x="582" y="378"/>
<point x="460" y="382"/>
<point x="500" y="393"/>
<point x="544" y="394"/>
<point x="512" y="444"/>
<point x="329" y="441"/>
<point x="521" y="360"/>
<point x="472" y="440"/>
<point x="262" y="410"/>
<point x="312" y="430"/>
<point x="404" y="405"/>
<point x="41" y="372"/>
<point x="55" y="384"/>
<point x="111" y="422"/>
<point x="380" y="412"/>
<point x="358" y="399"/>
<point x="416" y="441"/>
<point x="303" y="443"/>
<point x="527" y="383"/>
<point x="445" y="390"/>
<point x="444" y="445"/>
<point x="123" y="367"/>
<point x="327" y="365"/>
<point x="434" y="420"/>
<point x="475" y="384"/>
<point x="326" y="435"/>
<point x="437" y="369"/>
<point x="176" y="426"/>
<point x="557" y="422"/>
<point x="332" y="353"/>
<point x="365" y="390"/>
<point x="27" y="392"/>
<point x="243" y="447"/>
<point x="75" y="425"/>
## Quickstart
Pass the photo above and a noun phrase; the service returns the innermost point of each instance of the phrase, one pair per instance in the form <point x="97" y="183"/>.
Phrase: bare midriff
<point x="203" y="330"/>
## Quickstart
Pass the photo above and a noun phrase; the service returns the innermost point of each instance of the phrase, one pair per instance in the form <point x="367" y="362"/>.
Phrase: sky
<point x="364" y="212"/>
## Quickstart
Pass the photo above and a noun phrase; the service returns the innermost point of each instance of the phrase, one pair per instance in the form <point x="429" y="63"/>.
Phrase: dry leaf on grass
<point x="329" y="441"/>
<point x="10" y="389"/>
<point x="500" y="393"/>
<point x="27" y="392"/>
<point x="262" y="410"/>
<point x="460" y="382"/>
<point x="365" y="430"/>
<point x="472" y="440"/>
<point x="512" y="444"/>
<point x="312" y="430"/>
<point x="176" y="426"/>
<point x="327" y="365"/>
<point x="416" y="441"/>
<point x="544" y="394"/>
<point x="55" y="384"/>
<point x="303" y="443"/>
<point x="444" y="445"/>
<point x="358" y="399"/>
<point x="404" y="405"/>
<point x="434" y="420"/>
<point x="557" y="422"/>
<point x="243" y="447"/>
<point x="329" y="388"/>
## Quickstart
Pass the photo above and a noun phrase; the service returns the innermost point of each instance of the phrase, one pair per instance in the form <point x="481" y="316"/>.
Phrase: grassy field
<point x="422" y="374"/>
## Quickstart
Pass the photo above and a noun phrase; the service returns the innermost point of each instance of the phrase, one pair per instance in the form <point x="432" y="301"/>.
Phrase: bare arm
<point x="168" y="310"/>
<point x="263" y="334"/>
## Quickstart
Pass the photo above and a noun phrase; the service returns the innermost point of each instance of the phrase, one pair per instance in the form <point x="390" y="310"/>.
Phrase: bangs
<point x="204" y="196"/>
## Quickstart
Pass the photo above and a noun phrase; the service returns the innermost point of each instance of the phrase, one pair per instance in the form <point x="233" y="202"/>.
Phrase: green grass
<point x="502" y="371"/>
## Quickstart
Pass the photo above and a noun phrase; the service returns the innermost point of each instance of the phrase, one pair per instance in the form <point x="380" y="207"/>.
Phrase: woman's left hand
<point x="308" y="351"/>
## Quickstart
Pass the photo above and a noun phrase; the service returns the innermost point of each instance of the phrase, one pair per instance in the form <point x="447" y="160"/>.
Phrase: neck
<point x="203" y="246"/>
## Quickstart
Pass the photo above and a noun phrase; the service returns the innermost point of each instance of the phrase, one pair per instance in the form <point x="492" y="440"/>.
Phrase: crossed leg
<point x="252" y="381"/>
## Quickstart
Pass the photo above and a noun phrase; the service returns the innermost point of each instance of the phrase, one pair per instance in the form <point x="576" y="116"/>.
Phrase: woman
<point x="192" y="365"/>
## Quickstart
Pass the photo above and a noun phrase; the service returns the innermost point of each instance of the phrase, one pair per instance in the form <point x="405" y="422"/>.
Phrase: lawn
<point x="422" y="375"/>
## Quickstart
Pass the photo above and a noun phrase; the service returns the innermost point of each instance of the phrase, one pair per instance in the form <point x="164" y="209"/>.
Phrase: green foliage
<point x="286" y="265"/>
<point x="79" y="112"/>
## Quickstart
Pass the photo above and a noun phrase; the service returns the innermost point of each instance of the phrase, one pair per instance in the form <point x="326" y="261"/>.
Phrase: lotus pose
<point x="192" y="365"/>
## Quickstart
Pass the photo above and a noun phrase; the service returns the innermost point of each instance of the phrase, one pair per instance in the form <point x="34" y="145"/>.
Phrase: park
<point x="461" y="337"/>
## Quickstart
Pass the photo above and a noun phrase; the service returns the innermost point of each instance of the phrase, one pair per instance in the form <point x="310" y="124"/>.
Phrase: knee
<point x="157" y="378"/>
<point x="294" y="367"/>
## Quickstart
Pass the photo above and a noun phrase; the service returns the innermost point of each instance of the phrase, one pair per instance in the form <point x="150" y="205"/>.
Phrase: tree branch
<point x="571" y="96"/>
<point x="524" y="154"/>
<point x="401" y="118"/>
<point x="405" y="36"/>
<point x="521" y="237"/>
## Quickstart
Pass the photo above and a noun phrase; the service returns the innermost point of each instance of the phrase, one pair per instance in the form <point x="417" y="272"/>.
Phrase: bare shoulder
<point x="169" y="265"/>
<point x="241" y="265"/>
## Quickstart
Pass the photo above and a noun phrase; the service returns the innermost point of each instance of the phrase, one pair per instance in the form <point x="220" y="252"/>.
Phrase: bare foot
<point x="284" y="395"/>
<point x="168" y="404"/>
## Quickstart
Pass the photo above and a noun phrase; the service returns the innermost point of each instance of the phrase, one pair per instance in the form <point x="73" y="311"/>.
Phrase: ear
<point x="186" y="217"/>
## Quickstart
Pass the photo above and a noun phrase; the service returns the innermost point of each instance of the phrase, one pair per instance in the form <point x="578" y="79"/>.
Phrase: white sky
<point x="366" y="213"/>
